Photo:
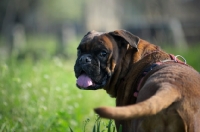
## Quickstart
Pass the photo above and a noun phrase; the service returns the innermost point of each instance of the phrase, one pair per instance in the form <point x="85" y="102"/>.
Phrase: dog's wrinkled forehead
<point x="89" y="36"/>
<point x="95" y="41"/>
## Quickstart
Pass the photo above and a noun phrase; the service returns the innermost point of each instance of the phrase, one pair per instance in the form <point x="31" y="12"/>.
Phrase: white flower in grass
<point x="29" y="84"/>
<point x="46" y="76"/>
<point x="58" y="89"/>
<point x="5" y="103"/>
<point x="76" y="105"/>
<point x="79" y="96"/>
<point x="73" y="122"/>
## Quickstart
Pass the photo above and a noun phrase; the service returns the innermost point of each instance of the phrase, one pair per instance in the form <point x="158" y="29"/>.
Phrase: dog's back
<point x="180" y="85"/>
<point x="168" y="101"/>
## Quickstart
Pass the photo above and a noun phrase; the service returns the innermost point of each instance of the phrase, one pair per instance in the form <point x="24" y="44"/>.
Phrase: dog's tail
<point x="163" y="98"/>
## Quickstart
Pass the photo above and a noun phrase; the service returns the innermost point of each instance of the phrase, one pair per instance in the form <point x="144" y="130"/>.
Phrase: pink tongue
<point x="84" y="81"/>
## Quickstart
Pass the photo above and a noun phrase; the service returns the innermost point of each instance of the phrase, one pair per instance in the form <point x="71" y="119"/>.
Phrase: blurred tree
<point x="14" y="12"/>
<point x="163" y="22"/>
<point x="39" y="16"/>
<point x="151" y="19"/>
<point x="61" y="10"/>
<point x="63" y="16"/>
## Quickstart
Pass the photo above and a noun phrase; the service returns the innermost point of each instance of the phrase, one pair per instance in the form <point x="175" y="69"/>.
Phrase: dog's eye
<point x="103" y="53"/>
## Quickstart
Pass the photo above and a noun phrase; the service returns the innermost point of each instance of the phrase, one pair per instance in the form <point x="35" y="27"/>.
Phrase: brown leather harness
<point x="152" y="66"/>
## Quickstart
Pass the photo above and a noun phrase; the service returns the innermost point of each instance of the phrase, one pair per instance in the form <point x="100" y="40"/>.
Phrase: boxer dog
<point x="154" y="90"/>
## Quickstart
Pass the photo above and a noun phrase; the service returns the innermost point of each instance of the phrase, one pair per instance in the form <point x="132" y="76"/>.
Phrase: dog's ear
<point x="126" y="37"/>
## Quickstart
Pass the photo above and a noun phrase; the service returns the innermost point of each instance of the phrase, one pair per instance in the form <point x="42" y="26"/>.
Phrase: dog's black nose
<point x="85" y="59"/>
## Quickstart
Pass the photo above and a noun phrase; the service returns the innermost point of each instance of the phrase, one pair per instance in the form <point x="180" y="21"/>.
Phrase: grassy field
<point x="41" y="96"/>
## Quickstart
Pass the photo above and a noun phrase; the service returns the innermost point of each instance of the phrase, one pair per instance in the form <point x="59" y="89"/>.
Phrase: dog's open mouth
<point x="84" y="81"/>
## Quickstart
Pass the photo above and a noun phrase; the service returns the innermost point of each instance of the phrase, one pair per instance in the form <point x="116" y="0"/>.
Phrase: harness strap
<point x="175" y="58"/>
<point x="151" y="67"/>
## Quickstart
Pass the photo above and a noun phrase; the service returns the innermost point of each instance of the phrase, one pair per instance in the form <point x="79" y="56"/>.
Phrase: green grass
<point x="42" y="96"/>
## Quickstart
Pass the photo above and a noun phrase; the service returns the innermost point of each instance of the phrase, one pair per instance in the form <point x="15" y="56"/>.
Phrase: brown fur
<point x="181" y="93"/>
<point x="169" y="99"/>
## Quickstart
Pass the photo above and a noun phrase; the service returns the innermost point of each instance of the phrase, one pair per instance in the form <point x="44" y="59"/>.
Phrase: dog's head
<point x="98" y="56"/>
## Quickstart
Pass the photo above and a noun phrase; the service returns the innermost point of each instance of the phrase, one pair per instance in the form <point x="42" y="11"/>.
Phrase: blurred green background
<point x="38" y="40"/>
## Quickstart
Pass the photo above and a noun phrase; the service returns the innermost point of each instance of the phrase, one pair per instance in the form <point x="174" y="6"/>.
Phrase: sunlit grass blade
<point x="86" y="121"/>
<point x="70" y="129"/>
<point x="3" y="127"/>
<point x="94" y="128"/>
<point x="113" y="129"/>
<point x="120" y="128"/>
<point x="98" y="124"/>
<point x="109" y="126"/>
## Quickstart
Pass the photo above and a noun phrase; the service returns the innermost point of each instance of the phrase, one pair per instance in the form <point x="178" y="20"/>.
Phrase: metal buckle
<point x="175" y="58"/>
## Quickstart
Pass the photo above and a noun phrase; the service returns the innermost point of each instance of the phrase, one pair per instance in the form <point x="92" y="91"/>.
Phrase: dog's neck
<point x="131" y="64"/>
